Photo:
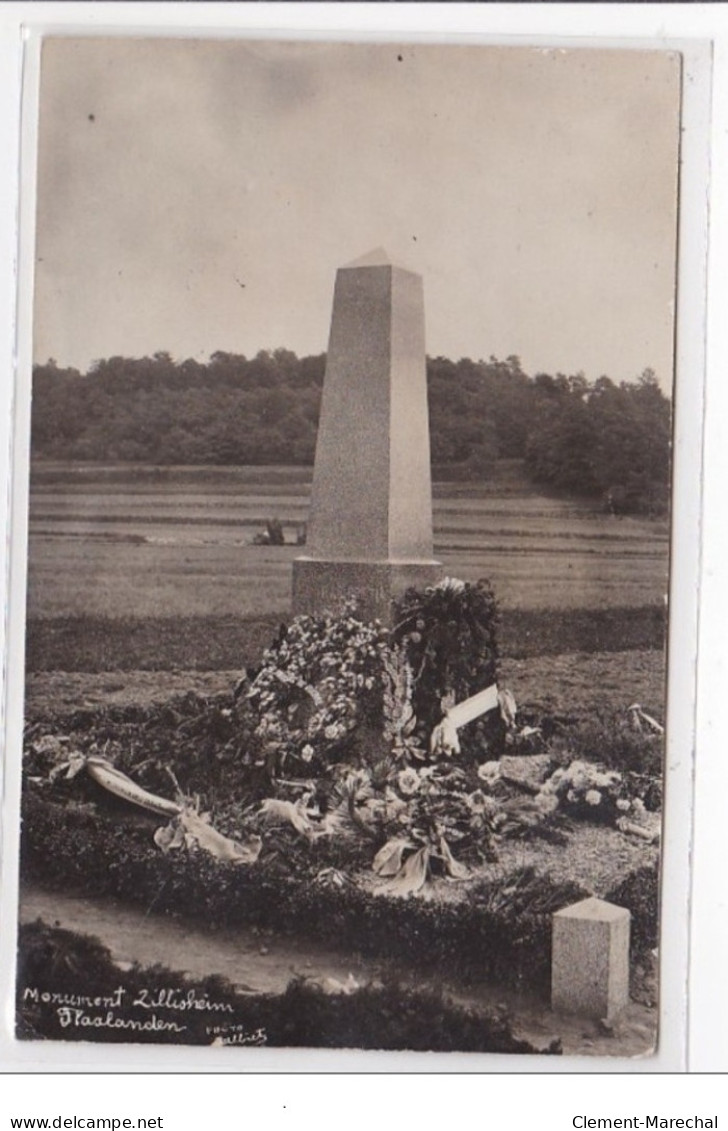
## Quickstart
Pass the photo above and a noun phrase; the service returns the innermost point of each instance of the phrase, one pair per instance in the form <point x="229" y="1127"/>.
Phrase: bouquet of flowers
<point x="317" y="684"/>
<point x="583" y="790"/>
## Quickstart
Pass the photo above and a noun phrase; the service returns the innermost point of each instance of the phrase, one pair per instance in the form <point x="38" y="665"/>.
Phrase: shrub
<point x="640" y="892"/>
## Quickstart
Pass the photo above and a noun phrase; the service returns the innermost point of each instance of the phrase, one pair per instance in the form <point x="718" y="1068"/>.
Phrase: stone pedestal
<point x="323" y="586"/>
<point x="590" y="960"/>
<point x="370" y="523"/>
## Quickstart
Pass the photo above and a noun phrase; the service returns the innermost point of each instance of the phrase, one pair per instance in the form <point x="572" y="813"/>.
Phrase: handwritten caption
<point x="145" y="1011"/>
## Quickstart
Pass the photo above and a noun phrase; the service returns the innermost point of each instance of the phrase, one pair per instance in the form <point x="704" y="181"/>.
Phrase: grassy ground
<point x="137" y="569"/>
<point x="141" y="568"/>
<point x="179" y="545"/>
<point x="566" y="683"/>
<point x="210" y="643"/>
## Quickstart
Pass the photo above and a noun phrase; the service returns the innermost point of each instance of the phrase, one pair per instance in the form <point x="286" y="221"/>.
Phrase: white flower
<point x="623" y="804"/>
<point x="638" y="805"/>
<point x="307" y="752"/>
<point x="408" y="781"/>
<point x="572" y="796"/>
<point x="451" y="584"/>
<point x="489" y="771"/>
<point x="478" y="803"/>
<point x="579" y="775"/>
<point x="593" y="797"/>
<point x="331" y="732"/>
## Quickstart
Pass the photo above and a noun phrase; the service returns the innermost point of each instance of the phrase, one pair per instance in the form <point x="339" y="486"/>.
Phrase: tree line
<point x="599" y="439"/>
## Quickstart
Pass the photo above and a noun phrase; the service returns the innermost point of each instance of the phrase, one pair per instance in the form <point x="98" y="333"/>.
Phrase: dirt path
<point x="250" y="959"/>
<point x="263" y="962"/>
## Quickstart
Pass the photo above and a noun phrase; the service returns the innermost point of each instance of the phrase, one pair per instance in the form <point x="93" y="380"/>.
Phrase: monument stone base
<point x="590" y="959"/>
<point x="321" y="585"/>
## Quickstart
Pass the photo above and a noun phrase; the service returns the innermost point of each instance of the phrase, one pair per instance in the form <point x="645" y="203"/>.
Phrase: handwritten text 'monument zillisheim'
<point x="102" y="1011"/>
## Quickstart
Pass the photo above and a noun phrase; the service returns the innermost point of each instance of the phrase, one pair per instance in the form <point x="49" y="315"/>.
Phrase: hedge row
<point x="385" y="1016"/>
<point x="500" y="933"/>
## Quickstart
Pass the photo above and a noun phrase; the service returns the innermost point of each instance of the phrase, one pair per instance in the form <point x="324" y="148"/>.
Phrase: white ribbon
<point x="444" y="738"/>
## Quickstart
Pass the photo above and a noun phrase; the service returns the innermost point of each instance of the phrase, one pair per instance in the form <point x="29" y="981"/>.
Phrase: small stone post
<point x="590" y="959"/>
<point x="370" y="524"/>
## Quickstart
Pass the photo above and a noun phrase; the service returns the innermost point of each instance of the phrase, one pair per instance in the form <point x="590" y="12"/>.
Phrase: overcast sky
<point x="196" y="196"/>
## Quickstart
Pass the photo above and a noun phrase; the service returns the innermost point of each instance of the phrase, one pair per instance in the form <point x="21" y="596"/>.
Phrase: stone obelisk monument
<point x="370" y="523"/>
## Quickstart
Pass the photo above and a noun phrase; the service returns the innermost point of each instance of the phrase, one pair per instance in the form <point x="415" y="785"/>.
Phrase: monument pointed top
<point x="376" y="258"/>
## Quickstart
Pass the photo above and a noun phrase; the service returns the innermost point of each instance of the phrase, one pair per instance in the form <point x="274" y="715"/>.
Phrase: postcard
<point x="346" y="480"/>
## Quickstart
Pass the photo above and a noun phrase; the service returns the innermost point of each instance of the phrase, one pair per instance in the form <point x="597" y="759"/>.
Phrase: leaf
<point x="412" y="876"/>
<point x="388" y="860"/>
<point x="76" y="763"/>
<point x="333" y="877"/>
<point x="410" y="724"/>
<point x="399" y="717"/>
<point x="507" y="704"/>
<point x="337" y="822"/>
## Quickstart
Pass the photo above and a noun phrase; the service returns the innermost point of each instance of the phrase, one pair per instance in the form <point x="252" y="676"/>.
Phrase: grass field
<point x="565" y="682"/>
<point x="149" y="579"/>
<point x="118" y="543"/>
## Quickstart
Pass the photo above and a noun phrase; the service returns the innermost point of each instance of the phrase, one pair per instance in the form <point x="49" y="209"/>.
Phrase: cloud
<point x="534" y="190"/>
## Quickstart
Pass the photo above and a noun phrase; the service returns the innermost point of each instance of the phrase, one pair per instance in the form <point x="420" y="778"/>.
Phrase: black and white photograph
<point x="348" y="555"/>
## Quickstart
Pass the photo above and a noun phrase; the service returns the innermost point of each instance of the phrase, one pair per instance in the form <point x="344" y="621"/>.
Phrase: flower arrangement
<point x="321" y="680"/>
<point x="346" y="709"/>
<point x="449" y="637"/>
<point x="585" y="790"/>
<point x="420" y="822"/>
<point x="328" y="681"/>
<point x="399" y="719"/>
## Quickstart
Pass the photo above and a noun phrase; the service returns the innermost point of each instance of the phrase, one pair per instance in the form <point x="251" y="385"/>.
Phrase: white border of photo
<point x="692" y="955"/>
